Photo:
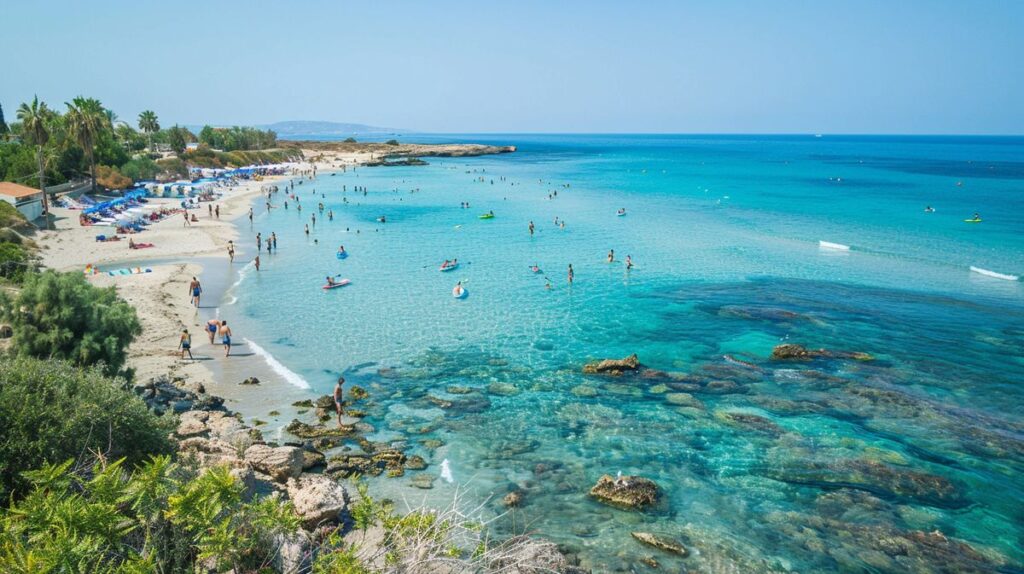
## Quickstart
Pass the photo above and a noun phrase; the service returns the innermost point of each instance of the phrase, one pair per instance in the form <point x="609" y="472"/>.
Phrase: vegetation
<point x="86" y="119"/>
<point x="10" y="216"/>
<point x="392" y="142"/>
<point x="112" y="178"/>
<point x="160" y="517"/>
<point x="350" y="140"/>
<point x="13" y="260"/>
<point x="55" y="411"/>
<point x="149" y="124"/>
<point x="237" y="138"/>
<point x="140" y="169"/>
<point x="62" y="316"/>
<point x="3" y="125"/>
<point x="34" y="119"/>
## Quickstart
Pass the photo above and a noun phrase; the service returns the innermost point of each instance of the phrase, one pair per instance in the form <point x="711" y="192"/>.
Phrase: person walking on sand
<point x="211" y="328"/>
<point x="338" y="402"/>
<point x="195" y="290"/>
<point x="185" y="344"/>
<point x="187" y="223"/>
<point x="225" y="337"/>
<point x="571" y="274"/>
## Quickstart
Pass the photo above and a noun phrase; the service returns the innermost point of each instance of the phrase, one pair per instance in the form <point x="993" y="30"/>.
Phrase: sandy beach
<point x="161" y="299"/>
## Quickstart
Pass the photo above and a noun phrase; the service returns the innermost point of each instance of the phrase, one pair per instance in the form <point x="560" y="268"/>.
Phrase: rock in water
<point x="661" y="543"/>
<point x="513" y="499"/>
<point x="789" y="351"/>
<point x="632" y="492"/>
<point x="613" y="366"/>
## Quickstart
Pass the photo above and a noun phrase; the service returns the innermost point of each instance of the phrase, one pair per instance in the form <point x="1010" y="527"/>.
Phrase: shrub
<point x="391" y="142"/>
<point x="160" y="518"/>
<point x="13" y="261"/>
<point x="10" y="216"/>
<point x="350" y="140"/>
<point x="140" y="168"/>
<point x="111" y="178"/>
<point x="62" y="316"/>
<point x="173" y="168"/>
<point x="53" y="411"/>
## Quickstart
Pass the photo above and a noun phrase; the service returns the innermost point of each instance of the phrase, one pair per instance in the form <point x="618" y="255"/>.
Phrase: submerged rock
<point x="613" y="367"/>
<point x="513" y="499"/>
<point x="750" y="421"/>
<point x="789" y="351"/>
<point x="661" y="543"/>
<point x="631" y="492"/>
<point x="584" y="391"/>
<point x="683" y="399"/>
<point x="423" y="481"/>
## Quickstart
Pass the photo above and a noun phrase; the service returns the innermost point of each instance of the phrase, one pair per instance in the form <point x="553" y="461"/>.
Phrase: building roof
<point x="16" y="191"/>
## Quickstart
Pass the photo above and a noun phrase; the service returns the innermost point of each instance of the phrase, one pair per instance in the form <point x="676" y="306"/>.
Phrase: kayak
<point x="487" y="216"/>
<point x="449" y="268"/>
<point x="972" y="221"/>
<point x="460" y="293"/>
<point x="341" y="283"/>
<point x="342" y="254"/>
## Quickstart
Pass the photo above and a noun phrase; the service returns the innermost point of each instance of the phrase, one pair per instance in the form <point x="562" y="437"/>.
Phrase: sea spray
<point x="446" y="471"/>
<point x="276" y="366"/>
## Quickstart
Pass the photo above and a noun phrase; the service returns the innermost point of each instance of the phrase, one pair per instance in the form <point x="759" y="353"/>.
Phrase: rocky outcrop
<point x="614" y="367"/>
<point x="630" y="492"/>
<point x="303" y="430"/>
<point x="280" y="463"/>
<point x="661" y="543"/>
<point x="163" y="394"/>
<point x="792" y="351"/>
<point x="317" y="499"/>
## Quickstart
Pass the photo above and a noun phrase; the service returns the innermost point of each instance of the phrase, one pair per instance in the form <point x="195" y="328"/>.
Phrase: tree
<point x="33" y="120"/>
<point x="62" y="316"/>
<point x="3" y="125"/>
<point x="86" y="118"/>
<point x="177" y="139"/>
<point x="54" y="411"/>
<point x="148" y="123"/>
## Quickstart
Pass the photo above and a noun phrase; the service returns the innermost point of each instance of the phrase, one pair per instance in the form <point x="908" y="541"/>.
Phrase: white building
<point x="28" y="200"/>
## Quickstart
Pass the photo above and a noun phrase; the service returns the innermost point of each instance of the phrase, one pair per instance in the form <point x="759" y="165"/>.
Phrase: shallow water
<point x="821" y="465"/>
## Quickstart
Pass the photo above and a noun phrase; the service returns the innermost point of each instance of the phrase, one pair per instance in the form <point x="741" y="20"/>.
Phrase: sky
<point x="724" y="66"/>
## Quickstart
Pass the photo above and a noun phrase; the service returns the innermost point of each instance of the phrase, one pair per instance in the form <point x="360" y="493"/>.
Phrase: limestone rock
<point x="192" y="423"/>
<point x="317" y="499"/>
<point x="281" y="463"/>
<point x="631" y="492"/>
<point x="613" y="366"/>
<point x="661" y="543"/>
<point x="303" y="430"/>
<point x="789" y="351"/>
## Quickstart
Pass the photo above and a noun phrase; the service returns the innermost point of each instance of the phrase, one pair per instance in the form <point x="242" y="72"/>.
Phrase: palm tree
<point x="86" y="119"/>
<point x="149" y="124"/>
<point x="33" y="120"/>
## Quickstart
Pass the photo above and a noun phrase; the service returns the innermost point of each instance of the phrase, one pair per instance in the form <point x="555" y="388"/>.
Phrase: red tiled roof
<point x="15" y="190"/>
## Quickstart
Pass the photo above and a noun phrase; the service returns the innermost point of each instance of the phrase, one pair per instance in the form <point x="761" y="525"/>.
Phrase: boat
<point x="342" y="254"/>
<point x="993" y="274"/>
<point x="341" y="283"/>
<point x="451" y="267"/>
<point x="830" y="245"/>
<point x="975" y="220"/>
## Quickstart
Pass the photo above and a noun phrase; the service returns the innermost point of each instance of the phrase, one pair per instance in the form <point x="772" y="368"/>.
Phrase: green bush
<point x="53" y="411"/>
<point x="62" y="316"/>
<point x="173" y="167"/>
<point x="350" y="140"/>
<point x="10" y="216"/>
<point x="13" y="261"/>
<point x="391" y="142"/>
<point x="140" y="168"/>
<point x="160" y="518"/>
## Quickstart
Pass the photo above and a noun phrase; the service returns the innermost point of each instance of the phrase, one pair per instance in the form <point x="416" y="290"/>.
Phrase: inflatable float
<point x="459" y="292"/>
<point x="342" y="254"/>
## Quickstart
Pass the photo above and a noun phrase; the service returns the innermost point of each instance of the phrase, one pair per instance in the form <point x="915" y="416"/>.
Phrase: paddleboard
<point x="449" y="268"/>
<point x="341" y="283"/>
<point x="486" y="216"/>
<point x="830" y="245"/>
<point x="995" y="275"/>
<point x="972" y="221"/>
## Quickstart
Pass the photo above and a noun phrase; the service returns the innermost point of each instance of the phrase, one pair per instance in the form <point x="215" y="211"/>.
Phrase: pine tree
<point x="3" y="125"/>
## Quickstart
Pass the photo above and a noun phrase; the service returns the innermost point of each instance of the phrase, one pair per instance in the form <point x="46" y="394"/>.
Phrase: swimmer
<point x="629" y="263"/>
<point x="531" y="229"/>
<point x="611" y="256"/>
<point x="571" y="274"/>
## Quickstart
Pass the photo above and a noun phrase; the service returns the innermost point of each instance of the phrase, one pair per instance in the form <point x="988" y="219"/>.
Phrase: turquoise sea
<point x="913" y="461"/>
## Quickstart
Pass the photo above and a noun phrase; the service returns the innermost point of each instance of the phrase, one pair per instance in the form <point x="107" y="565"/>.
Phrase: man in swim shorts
<point x="338" y="398"/>
<point x="225" y="334"/>
<point x="195" y="289"/>
<point x="211" y="328"/>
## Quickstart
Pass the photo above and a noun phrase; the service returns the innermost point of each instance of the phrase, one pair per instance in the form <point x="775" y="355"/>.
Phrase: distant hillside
<point x="321" y="129"/>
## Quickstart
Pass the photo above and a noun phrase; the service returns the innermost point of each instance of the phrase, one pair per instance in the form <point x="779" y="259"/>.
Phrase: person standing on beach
<point x="195" y="289"/>
<point x="256" y="262"/>
<point x="225" y="337"/>
<point x="338" y="398"/>
<point x="209" y="207"/>
<point x="211" y="328"/>
<point x="250" y="216"/>
<point x="571" y="274"/>
<point x="259" y="242"/>
<point x="185" y="344"/>
<point x="216" y="211"/>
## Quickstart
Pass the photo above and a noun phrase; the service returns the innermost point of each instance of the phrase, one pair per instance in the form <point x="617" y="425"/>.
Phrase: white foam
<point x="988" y="273"/>
<point x="276" y="366"/>
<point x="446" y="471"/>
<point x="830" y="245"/>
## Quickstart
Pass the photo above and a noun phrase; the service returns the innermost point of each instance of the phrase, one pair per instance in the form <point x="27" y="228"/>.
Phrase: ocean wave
<point x="277" y="367"/>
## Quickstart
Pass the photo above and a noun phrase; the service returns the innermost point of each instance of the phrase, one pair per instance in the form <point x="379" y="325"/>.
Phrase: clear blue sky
<point x="560" y="66"/>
